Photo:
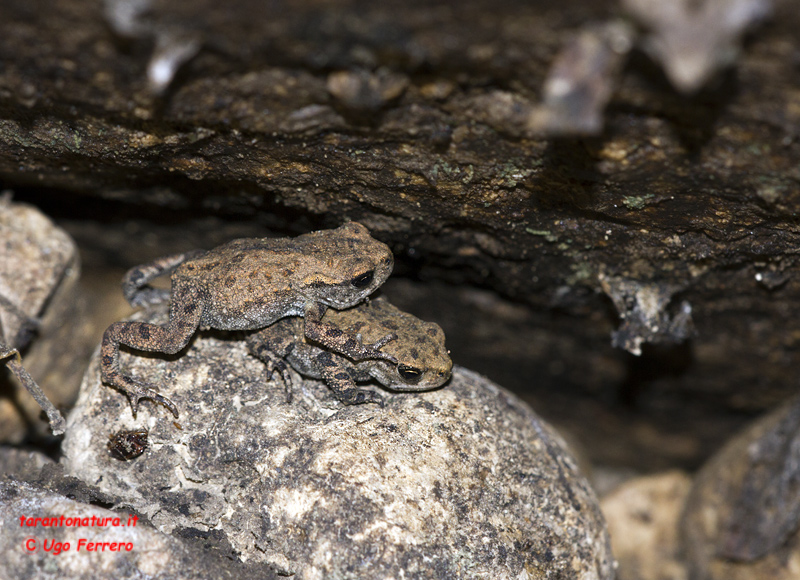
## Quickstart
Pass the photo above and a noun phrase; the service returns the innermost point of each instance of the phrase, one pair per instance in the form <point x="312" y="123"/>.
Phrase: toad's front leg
<point x="338" y="340"/>
<point x="271" y="346"/>
<point x="184" y="318"/>
<point x="341" y="382"/>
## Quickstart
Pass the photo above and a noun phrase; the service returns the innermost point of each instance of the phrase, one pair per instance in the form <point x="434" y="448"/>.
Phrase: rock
<point x="642" y="517"/>
<point x="365" y="91"/>
<point x="36" y="256"/>
<point x="644" y="311"/>
<point x="38" y="272"/>
<point x="133" y="549"/>
<point x="582" y="80"/>
<point x="694" y="40"/>
<point x="462" y="482"/>
<point x="742" y="514"/>
<point x="22" y="464"/>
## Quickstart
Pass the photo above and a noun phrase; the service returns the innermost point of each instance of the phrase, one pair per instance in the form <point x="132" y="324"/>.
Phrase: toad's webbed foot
<point x="354" y="349"/>
<point x="357" y="396"/>
<point x="139" y="335"/>
<point x="374" y="348"/>
<point x="351" y="346"/>
<point x="341" y="382"/>
<point x="134" y="389"/>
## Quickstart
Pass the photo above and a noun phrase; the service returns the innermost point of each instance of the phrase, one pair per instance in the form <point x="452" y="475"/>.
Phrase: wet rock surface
<point x="459" y="482"/>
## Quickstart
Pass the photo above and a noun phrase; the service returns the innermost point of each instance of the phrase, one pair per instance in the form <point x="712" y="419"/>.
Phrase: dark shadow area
<point x="694" y="117"/>
<point x="656" y="362"/>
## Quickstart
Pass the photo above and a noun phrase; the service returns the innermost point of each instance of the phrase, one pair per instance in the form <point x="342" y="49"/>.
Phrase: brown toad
<point x="423" y="362"/>
<point x="248" y="284"/>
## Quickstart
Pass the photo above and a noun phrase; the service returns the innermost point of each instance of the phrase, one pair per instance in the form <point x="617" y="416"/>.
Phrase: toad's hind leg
<point x="135" y="283"/>
<point x="184" y="318"/>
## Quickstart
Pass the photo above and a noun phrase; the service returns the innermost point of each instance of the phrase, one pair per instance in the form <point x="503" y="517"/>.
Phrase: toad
<point x="423" y="362"/>
<point x="248" y="284"/>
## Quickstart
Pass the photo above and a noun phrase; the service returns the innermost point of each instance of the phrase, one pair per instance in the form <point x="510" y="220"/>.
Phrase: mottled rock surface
<point x="462" y="482"/>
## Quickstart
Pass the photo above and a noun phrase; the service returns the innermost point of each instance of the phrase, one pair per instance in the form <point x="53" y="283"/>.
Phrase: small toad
<point x="249" y="284"/>
<point x="423" y="362"/>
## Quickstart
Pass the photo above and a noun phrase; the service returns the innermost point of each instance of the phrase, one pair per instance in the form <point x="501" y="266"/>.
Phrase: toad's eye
<point x="363" y="280"/>
<point x="409" y="374"/>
